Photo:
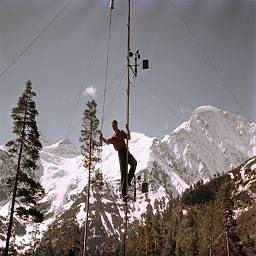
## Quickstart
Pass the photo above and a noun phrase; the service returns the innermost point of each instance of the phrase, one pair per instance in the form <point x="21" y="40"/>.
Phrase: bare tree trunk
<point x="227" y="241"/>
<point x="227" y="234"/>
<point x="211" y="236"/>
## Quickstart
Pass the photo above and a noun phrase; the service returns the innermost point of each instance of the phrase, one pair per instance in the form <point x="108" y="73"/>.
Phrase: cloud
<point x="166" y="126"/>
<point x="185" y="110"/>
<point x="90" y="91"/>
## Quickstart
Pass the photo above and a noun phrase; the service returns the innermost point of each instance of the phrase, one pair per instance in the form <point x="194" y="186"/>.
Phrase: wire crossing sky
<point x="200" y="53"/>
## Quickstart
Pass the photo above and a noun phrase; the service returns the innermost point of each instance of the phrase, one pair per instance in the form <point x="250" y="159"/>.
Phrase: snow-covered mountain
<point x="211" y="141"/>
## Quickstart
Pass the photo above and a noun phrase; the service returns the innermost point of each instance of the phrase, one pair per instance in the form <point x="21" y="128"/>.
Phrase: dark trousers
<point x="123" y="168"/>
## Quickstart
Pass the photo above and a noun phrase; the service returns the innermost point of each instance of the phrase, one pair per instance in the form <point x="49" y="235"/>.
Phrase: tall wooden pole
<point x="127" y="122"/>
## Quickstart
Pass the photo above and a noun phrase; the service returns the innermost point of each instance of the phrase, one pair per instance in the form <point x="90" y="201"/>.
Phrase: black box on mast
<point x="145" y="64"/>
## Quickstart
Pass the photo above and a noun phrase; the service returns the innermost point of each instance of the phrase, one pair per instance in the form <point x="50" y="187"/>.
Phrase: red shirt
<point x="118" y="140"/>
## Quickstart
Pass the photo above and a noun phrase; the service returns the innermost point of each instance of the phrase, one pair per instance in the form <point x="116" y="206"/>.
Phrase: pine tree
<point x="109" y="247"/>
<point x="25" y="152"/>
<point x="46" y="244"/>
<point x="34" y="240"/>
<point x="228" y="223"/>
<point x="210" y="229"/>
<point x="61" y="238"/>
<point x="90" y="150"/>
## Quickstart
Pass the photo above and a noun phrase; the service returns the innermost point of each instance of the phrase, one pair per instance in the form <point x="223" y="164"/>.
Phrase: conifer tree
<point x="90" y="149"/>
<point x="46" y="244"/>
<point x="227" y="220"/>
<point x="210" y="228"/>
<point x="109" y="247"/>
<point x="25" y="152"/>
<point x="34" y="240"/>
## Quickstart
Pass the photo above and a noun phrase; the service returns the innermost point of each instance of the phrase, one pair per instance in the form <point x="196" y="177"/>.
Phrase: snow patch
<point x="5" y="210"/>
<point x="184" y="212"/>
<point x="184" y="126"/>
<point x="80" y="217"/>
<point x="253" y="167"/>
<point x="231" y="175"/>
<point x="203" y="109"/>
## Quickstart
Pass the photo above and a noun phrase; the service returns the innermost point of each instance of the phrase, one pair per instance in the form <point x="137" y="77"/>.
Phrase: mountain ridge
<point x="212" y="140"/>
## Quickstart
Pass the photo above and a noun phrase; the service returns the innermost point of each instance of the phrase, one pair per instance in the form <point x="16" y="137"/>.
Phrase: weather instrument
<point x="134" y="67"/>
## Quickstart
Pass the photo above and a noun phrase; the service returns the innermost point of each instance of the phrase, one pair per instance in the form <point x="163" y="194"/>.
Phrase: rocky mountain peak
<point x="211" y="141"/>
<point x="64" y="148"/>
<point x="45" y="141"/>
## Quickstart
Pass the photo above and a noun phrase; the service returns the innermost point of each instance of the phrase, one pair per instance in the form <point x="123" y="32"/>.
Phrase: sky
<point x="200" y="53"/>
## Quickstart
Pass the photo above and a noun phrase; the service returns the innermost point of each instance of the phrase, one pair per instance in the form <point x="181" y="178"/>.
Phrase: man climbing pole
<point x="118" y="141"/>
